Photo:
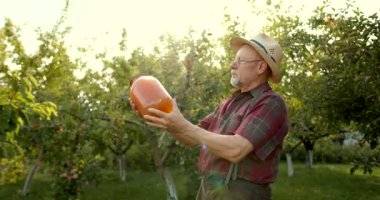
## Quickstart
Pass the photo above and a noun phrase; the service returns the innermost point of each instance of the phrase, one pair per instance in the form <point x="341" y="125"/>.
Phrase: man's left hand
<point x="173" y="122"/>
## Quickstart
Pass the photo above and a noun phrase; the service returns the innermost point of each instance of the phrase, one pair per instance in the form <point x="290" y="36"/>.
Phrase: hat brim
<point x="237" y="42"/>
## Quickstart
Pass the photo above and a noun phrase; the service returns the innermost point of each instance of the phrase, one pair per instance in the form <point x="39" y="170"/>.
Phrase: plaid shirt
<point x="260" y="116"/>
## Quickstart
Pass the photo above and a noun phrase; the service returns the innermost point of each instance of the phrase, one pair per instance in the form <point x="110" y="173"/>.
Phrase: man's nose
<point x="233" y="65"/>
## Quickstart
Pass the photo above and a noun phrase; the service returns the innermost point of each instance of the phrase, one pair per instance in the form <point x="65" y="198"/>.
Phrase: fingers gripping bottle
<point x="148" y="92"/>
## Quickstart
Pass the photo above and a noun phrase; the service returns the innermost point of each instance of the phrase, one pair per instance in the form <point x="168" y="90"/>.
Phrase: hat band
<point x="262" y="46"/>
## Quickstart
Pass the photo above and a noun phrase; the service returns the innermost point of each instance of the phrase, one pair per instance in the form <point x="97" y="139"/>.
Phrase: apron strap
<point x="232" y="173"/>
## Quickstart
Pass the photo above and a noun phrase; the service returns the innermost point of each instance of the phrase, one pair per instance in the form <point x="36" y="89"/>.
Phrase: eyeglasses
<point x="239" y="62"/>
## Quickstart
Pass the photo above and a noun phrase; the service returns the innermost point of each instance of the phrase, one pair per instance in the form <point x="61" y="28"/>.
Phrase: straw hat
<point x="269" y="49"/>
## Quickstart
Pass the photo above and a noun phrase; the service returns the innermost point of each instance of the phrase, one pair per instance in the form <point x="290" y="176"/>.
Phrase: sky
<point x="98" y="24"/>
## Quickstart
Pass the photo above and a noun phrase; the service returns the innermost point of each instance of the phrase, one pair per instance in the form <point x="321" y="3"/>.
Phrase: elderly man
<point x="241" y="141"/>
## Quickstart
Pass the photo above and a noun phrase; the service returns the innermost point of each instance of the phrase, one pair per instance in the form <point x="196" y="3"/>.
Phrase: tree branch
<point x="168" y="152"/>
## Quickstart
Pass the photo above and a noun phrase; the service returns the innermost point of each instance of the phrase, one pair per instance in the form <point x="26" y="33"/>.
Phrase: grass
<point x="325" y="182"/>
<point x="139" y="185"/>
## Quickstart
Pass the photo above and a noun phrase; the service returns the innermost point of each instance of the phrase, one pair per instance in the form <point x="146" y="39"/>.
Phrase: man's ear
<point x="262" y="68"/>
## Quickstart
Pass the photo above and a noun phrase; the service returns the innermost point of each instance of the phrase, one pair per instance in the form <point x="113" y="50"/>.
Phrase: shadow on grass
<point x="325" y="182"/>
<point x="139" y="186"/>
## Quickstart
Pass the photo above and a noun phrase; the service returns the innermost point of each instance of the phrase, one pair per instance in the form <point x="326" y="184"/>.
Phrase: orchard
<point x="73" y="129"/>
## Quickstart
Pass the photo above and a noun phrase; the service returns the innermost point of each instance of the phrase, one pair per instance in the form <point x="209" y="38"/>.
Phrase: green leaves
<point x="4" y="99"/>
<point x="45" y="110"/>
<point x="6" y="113"/>
<point x="332" y="72"/>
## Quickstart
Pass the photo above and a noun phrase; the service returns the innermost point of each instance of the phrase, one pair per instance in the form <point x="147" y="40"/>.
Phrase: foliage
<point x="331" y="72"/>
<point x="18" y="103"/>
<point x="11" y="169"/>
<point x="328" y="151"/>
<point x="350" y="63"/>
<point x="31" y="83"/>
<point x="74" y="176"/>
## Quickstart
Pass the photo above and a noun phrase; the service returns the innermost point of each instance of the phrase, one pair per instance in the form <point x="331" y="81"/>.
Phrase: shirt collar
<point x="257" y="91"/>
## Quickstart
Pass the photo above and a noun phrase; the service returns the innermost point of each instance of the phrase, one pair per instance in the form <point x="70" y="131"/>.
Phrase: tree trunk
<point x="122" y="168"/>
<point x="290" y="164"/>
<point x="309" y="145"/>
<point x="170" y="186"/>
<point x="28" y="181"/>
<point x="120" y="153"/>
<point x="309" y="159"/>
<point x="159" y="163"/>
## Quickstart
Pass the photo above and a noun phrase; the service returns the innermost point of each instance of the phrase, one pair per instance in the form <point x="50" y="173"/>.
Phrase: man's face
<point x="244" y="68"/>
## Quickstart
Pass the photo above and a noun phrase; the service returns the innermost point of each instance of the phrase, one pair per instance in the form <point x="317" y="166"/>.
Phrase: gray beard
<point x="235" y="81"/>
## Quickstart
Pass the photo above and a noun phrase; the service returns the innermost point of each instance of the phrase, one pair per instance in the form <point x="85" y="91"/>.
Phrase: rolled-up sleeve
<point x="265" y="126"/>
<point x="206" y="122"/>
